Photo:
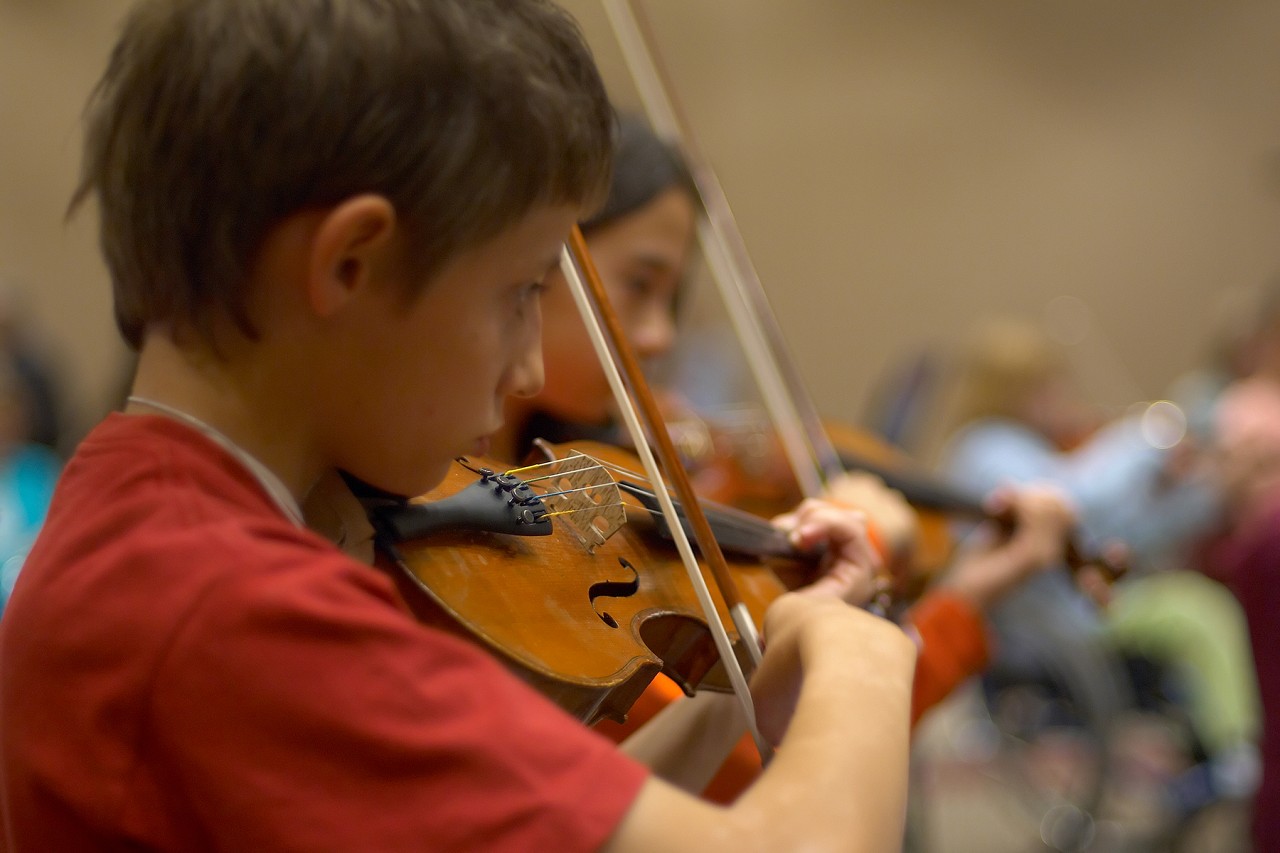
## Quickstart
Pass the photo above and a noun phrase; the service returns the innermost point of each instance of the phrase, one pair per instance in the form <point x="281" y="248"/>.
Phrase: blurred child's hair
<point x="1005" y="361"/>
<point x="217" y="119"/>
<point x="644" y="167"/>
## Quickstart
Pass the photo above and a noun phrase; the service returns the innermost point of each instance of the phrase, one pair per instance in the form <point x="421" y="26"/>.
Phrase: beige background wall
<point x="899" y="170"/>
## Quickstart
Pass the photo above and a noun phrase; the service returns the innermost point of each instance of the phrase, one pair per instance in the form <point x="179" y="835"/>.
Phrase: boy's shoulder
<point x="151" y="475"/>
<point x="160" y="521"/>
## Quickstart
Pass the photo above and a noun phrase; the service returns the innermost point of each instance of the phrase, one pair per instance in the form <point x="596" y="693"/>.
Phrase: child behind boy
<point x="327" y="224"/>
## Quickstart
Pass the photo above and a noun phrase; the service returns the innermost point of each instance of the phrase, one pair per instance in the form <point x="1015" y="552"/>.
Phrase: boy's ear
<point x="351" y="245"/>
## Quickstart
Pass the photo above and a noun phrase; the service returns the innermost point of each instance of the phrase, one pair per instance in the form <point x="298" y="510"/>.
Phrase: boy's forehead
<point x="533" y="243"/>
<point x="541" y="233"/>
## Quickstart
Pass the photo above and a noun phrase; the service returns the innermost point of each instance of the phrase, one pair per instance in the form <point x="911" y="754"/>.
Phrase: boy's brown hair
<point x="216" y="119"/>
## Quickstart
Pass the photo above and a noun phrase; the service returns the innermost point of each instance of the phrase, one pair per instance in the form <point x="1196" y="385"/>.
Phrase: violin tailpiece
<point x="583" y="494"/>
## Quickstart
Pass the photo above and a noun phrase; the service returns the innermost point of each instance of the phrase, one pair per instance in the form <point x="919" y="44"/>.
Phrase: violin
<point x="569" y="578"/>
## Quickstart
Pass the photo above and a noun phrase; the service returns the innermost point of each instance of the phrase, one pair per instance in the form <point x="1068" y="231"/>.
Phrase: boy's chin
<point x="411" y="484"/>
<point x="431" y="479"/>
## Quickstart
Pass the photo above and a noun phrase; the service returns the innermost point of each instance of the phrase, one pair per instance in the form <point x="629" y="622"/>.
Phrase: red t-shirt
<point x="181" y="668"/>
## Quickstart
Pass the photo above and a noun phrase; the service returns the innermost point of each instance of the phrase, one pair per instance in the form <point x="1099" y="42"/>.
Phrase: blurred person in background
<point x="1021" y="418"/>
<point x="30" y="430"/>
<point x="28" y="472"/>
<point x="33" y="369"/>
<point x="1246" y="552"/>
<point x="1235" y="347"/>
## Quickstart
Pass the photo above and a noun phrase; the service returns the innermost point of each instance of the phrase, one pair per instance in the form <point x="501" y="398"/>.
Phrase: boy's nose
<point x="527" y="375"/>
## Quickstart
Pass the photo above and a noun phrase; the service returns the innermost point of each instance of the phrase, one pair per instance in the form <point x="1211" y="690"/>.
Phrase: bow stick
<point x="614" y="350"/>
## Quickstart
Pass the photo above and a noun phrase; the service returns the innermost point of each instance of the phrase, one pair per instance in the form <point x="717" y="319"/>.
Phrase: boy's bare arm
<point x="838" y="780"/>
<point x="689" y="740"/>
<point x="686" y="742"/>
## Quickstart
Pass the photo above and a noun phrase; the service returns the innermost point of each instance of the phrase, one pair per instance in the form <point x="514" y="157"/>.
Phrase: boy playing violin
<point x="327" y="225"/>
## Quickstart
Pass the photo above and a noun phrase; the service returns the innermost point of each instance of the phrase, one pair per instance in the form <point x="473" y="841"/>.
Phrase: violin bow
<point x="811" y="455"/>
<point x="614" y="352"/>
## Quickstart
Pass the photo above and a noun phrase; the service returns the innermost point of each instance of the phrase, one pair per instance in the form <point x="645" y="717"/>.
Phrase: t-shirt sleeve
<point x="305" y="710"/>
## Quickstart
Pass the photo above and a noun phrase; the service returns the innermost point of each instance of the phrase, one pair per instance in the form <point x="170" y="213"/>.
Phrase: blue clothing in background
<point x="1046" y="625"/>
<point x="1116" y="481"/>
<point x="27" y="478"/>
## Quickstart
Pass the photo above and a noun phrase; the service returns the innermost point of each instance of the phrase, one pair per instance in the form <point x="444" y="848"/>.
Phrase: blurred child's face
<point x="427" y="380"/>
<point x="641" y="259"/>
<point x="1058" y="410"/>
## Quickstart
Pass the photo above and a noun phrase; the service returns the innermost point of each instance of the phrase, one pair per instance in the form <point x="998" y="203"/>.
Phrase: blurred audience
<point x="1021" y="418"/>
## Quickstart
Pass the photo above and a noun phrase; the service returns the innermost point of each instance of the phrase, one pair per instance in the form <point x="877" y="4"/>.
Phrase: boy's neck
<point x="248" y="407"/>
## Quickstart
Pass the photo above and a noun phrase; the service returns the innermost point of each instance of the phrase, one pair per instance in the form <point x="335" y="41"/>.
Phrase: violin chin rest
<point x="497" y="503"/>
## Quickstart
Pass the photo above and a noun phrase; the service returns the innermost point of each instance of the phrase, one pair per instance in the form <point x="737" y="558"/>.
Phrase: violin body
<point x="587" y="624"/>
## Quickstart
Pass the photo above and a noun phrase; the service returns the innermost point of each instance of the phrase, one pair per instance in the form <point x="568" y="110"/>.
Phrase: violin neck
<point x="735" y="531"/>
<point x="919" y="490"/>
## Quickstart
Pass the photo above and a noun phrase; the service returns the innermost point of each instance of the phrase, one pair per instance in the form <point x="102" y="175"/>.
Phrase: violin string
<point x="592" y="510"/>
<point x="599" y="465"/>
<point x="554" y="473"/>
<point x="549" y="495"/>
<point x="605" y="465"/>
<point x="513" y="472"/>
<point x="608" y="466"/>
<point x="562" y="492"/>
<point x="622" y="469"/>
<point x="551" y="476"/>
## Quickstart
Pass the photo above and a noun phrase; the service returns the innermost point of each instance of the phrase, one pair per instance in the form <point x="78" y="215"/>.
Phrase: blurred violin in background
<point x="735" y="458"/>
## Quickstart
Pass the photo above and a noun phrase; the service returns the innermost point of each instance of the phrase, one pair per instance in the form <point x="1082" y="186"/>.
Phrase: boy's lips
<point x="481" y="446"/>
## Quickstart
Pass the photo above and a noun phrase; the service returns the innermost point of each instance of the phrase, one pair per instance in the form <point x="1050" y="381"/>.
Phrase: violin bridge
<point x="584" y="496"/>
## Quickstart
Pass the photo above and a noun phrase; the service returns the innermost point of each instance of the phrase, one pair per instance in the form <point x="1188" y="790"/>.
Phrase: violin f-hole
<point x="614" y="589"/>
